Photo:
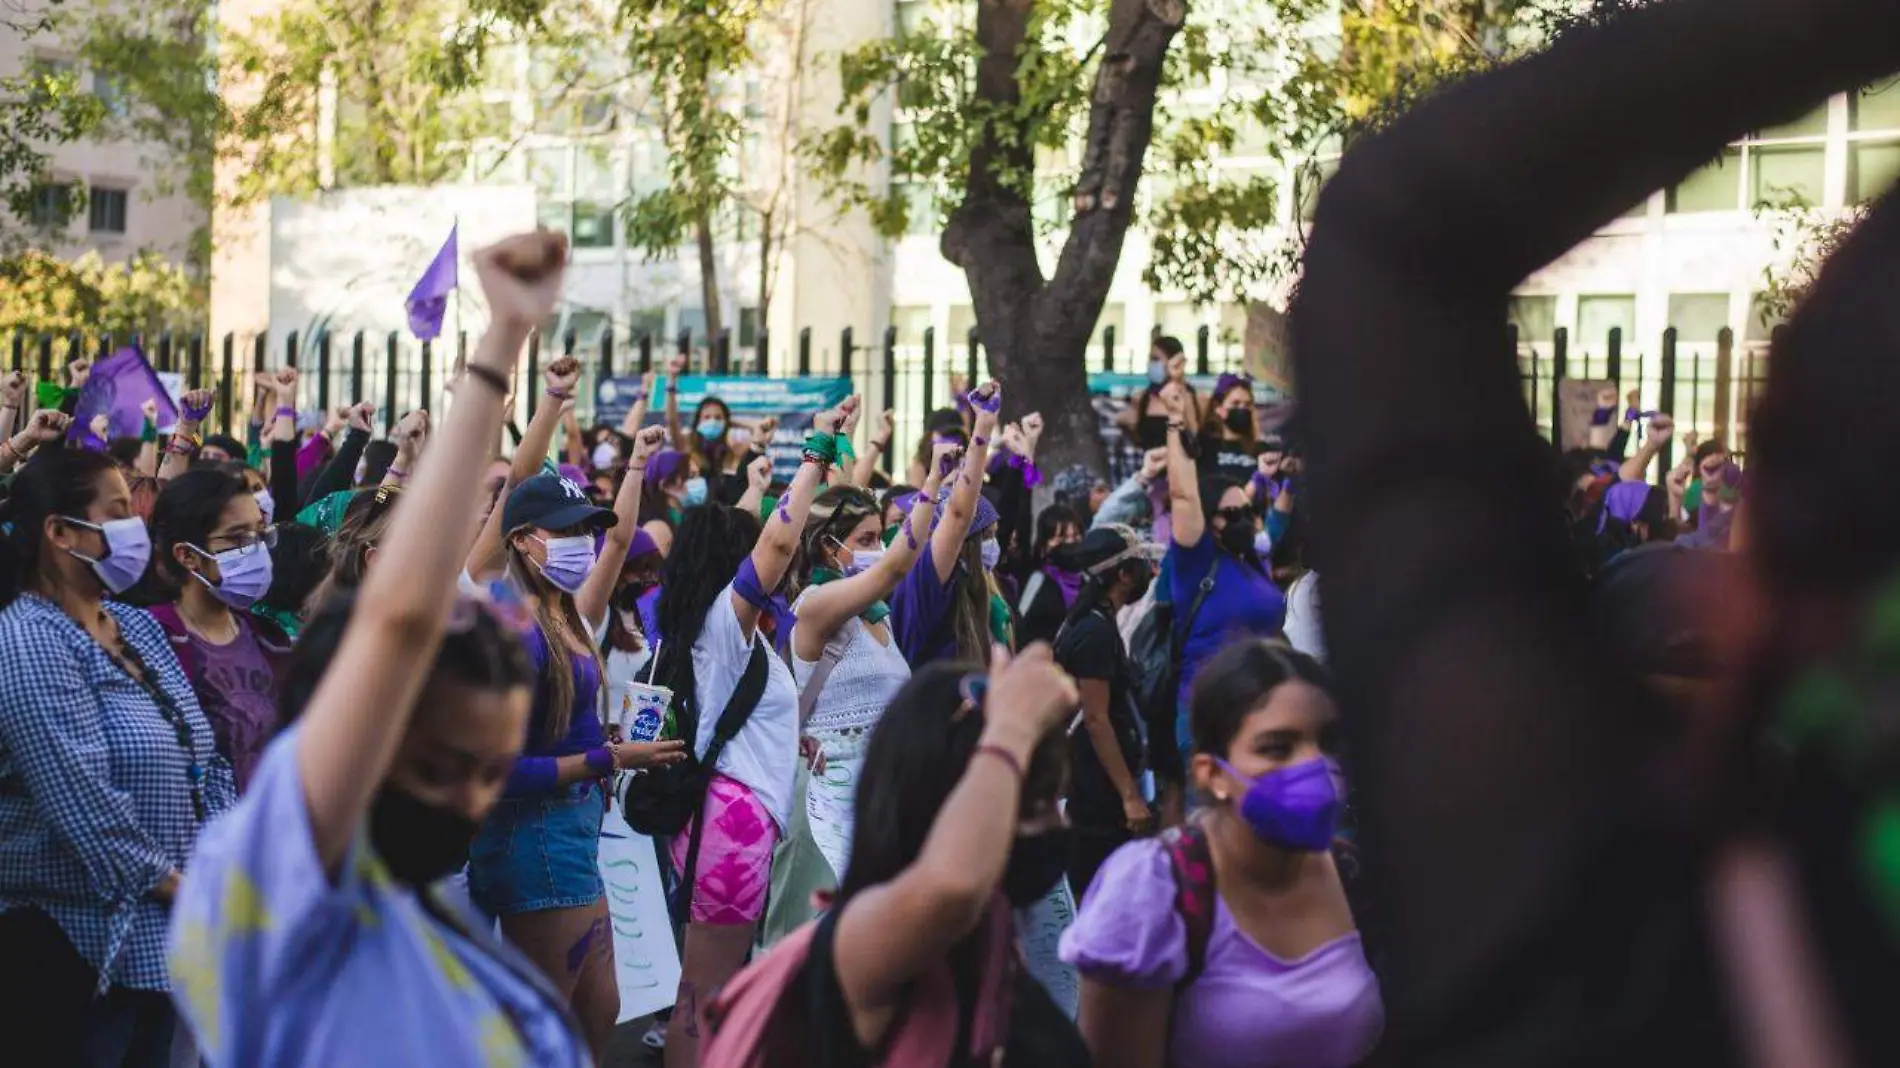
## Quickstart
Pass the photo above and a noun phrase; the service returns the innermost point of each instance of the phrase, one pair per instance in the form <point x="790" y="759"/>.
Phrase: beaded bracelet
<point x="560" y="394"/>
<point x="1008" y="758"/>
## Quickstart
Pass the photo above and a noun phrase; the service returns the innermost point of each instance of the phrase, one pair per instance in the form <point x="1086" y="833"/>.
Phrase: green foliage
<point x="40" y="107"/>
<point x="1804" y="236"/>
<point x="146" y="295"/>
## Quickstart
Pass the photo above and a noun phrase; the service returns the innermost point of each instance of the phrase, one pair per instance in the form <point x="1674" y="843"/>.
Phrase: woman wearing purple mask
<point x="1231" y="943"/>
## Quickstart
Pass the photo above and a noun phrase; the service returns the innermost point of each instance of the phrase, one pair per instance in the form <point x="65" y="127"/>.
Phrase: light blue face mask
<point x="710" y="429"/>
<point x="992" y="553"/>
<point x="695" y="492"/>
<point x="1157" y="372"/>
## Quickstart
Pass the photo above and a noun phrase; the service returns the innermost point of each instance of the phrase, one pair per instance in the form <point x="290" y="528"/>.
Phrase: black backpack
<point x="662" y="801"/>
<point x="1155" y="651"/>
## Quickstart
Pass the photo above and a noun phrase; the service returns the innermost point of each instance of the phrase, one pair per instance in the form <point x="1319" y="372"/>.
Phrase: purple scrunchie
<point x="197" y="413"/>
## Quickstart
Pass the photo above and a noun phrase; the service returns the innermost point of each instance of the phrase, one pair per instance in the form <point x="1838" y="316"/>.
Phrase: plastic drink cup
<point x="644" y="711"/>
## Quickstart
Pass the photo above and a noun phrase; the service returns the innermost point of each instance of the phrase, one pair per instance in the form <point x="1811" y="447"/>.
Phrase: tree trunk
<point x="709" y="282"/>
<point x="1036" y="332"/>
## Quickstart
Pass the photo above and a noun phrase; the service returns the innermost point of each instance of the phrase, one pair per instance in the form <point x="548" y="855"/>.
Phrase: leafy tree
<point x="1804" y="236"/>
<point x="40" y="107"/>
<point x="146" y="295"/>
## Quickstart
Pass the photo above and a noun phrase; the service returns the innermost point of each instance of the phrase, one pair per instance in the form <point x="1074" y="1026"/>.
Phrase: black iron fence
<point x="1709" y="387"/>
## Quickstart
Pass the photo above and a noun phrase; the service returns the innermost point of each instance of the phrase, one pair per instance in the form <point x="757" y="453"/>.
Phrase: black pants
<point x="1088" y="852"/>
<point x="49" y="1016"/>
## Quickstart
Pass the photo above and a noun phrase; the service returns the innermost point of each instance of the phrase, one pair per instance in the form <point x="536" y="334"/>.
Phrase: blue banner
<point x="792" y="401"/>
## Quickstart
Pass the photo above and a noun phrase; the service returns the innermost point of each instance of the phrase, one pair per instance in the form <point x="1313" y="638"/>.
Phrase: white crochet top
<point x="862" y="684"/>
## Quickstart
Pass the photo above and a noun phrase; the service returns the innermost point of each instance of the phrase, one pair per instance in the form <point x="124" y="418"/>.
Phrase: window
<point x="962" y="321"/>
<point x="554" y="215"/>
<point x="105" y="210"/>
<point x="1114" y="317"/>
<point x="693" y="320"/>
<point x="1535" y="318"/>
<point x="1877" y="107"/>
<point x="1779" y="165"/>
<point x="593" y="174"/>
<point x="911" y="322"/>
<point x="1698" y="317"/>
<point x="109" y="94"/>
<point x="50" y="69"/>
<point x="1312" y="176"/>
<point x="1716" y="187"/>
<point x="548" y="170"/>
<point x="1780" y="175"/>
<point x="748" y="327"/>
<point x="647" y="322"/>
<point x="920" y="207"/>
<point x="1761" y="324"/>
<point x="593" y="225"/>
<point x="1233" y="324"/>
<point x="911" y="15"/>
<point x="1873" y="169"/>
<point x="52" y="205"/>
<point x="646" y="165"/>
<point x="1597" y="316"/>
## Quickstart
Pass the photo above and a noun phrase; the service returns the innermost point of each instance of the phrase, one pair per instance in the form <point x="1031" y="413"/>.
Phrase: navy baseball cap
<point x="553" y="503"/>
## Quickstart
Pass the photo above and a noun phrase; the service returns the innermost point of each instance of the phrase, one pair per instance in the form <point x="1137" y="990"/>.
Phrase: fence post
<point x="930" y="367"/>
<point x="427" y="399"/>
<point x="1203" y="344"/>
<point x="19" y="350"/>
<point x="1724" y="385"/>
<point x="227" y="368"/>
<point x="847" y="341"/>
<point x="1613" y="364"/>
<point x="761" y="352"/>
<point x="290" y="350"/>
<point x="323" y="372"/>
<point x="534" y="373"/>
<point x="105" y="347"/>
<point x="46" y="358"/>
<point x="1108" y="348"/>
<point x="1667" y="402"/>
<point x="722" y="350"/>
<point x="567" y="341"/>
<point x="973" y="340"/>
<point x="606" y="367"/>
<point x="165" y="360"/>
<point x="804" y="351"/>
<point x="194" y="359"/>
<point x="646" y="351"/>
<point x="684" y="345"/>
<point x="391" y="360"/>
<point x="890" y="389"/>
<point x="1559" y="367"/>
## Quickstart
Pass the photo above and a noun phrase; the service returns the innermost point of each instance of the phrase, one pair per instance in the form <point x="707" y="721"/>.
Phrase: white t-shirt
<point x="1302" y="617"/>
<point x="764" y="755"/>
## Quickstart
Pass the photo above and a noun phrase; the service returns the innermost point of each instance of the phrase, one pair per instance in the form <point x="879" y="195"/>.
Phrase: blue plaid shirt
<point x="95" y="800"/>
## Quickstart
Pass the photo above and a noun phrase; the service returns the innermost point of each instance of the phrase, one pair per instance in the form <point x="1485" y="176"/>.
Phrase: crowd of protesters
<point x="306" y="742"/>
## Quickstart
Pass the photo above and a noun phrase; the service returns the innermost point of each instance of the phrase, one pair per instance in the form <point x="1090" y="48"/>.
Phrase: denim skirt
<point x="540" y="853"/>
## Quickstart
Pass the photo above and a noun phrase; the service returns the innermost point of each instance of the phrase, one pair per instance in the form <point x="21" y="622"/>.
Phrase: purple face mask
<point x="1294" y="808"/>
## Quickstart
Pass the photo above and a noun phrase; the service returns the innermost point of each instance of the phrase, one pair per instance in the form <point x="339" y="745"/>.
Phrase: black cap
<point x="552" y="503"/>
<point x="1103" y="548"/>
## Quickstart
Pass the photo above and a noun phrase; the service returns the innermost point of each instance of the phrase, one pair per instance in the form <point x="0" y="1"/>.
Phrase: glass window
<point x="648" y="322"/>
<point x="109" y="94"/>
<point x="1534" y="317"/>
<point x="495" y="164"/>
<point x="911" y="321"/>
<point x="1113" y="316"/>
<point x="911" y="15"/>
<point x="1698" y="317"/>
<point x="646" y="167"/>
<point x="1781" y="174"/>
<point x="1597" y="316"/>
<point x="548" y="170"/>
<point x="1877" y="107"/>
<point x="1874" y="167"/>
<point x="593" y="225"/>
<point x="920" y="208"/>
<point x="554" y="215"/>
<point x="748" y="327"/>
<point x="693" y="319"/>
<point x="52" y="205"/>
<point x="1716" y="187"/>
<point x="1233" y="325"/>
<point x="593" y="173"/>
<point x="105" y="210"/>
<point x="1178" y="319"/>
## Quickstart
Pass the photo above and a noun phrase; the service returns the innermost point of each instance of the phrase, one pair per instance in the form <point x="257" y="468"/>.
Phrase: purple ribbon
<point x="991" y="404"/>
<point x="196" y="413"/>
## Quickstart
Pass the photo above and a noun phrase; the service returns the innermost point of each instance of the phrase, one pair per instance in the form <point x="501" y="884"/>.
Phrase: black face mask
<point x="1237" y="536"/>
<point x="418" y="842"/>
<point x="630" y="594"/>
<point x="1238" y="420"/>
<point x="1036" y="862"/>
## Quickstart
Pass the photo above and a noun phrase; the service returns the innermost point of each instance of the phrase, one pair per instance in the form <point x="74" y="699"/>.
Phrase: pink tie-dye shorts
<point x="735" y="863"/>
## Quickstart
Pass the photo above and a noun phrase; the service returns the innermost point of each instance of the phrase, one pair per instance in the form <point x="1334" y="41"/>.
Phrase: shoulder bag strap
<point x="1193" y="867"/>
<point x="835" y="649"/>
<point x="745" y="698"/>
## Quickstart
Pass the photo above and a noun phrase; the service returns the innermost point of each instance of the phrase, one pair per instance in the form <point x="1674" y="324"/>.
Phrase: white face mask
<point x="863" y="560"/>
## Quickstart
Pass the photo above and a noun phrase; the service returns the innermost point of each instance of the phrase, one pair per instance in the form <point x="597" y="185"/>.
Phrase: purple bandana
<point x="1069" y="582"/>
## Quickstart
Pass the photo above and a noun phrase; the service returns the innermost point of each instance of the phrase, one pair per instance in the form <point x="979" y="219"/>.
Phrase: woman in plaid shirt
<point x="108" y="770"/>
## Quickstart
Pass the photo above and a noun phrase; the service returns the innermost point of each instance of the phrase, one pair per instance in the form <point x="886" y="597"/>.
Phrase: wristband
<point x="397" y="471"/>
<point x="821" y="448"/>
<point x="560" y="394"/>
<point x="488" y="376"/>
<point x="148" y="433"/>
<point x="845" y="451"/>
<point x="197" y="413"/>
<point x="7" y="444"/>
<point x="600" y="761"/>
<point x="637" y="396"/>
<point x="286" y="410"/>
<point x="1002" y="754"/>
<point x="989" y="405"/>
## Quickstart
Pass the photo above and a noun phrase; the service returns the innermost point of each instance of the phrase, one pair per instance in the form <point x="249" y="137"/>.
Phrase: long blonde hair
<point x="562" y="628"/>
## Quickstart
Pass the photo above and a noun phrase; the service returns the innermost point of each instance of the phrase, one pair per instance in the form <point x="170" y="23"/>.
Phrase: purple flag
<point x="119" y="386"/>
<point x="430" y="299"/>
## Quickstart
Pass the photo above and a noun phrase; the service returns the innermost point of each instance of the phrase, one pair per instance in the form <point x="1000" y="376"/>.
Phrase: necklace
<point x="129" y="661"/>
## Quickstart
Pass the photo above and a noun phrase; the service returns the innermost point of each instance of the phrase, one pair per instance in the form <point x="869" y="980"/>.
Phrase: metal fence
<point x="398" y="373"/>
<point x="1709" y="387"/>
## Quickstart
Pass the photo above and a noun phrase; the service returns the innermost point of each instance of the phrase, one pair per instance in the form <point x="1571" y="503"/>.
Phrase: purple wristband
<point x="197" y="414"/>
<point x="600" y="761"/>
<point x="284" y="409"/>
<point x="991" y="404"/>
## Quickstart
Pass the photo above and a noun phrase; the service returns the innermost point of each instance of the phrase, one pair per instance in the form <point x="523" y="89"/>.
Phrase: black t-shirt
<point x="1091" y="648"/>
<point x="1040" y="1033"/>
<point x="1238" y="460"/>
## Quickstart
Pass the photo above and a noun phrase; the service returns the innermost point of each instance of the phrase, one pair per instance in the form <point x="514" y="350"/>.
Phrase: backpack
<point x="751" y="1021"/>
<point x="1156" y="649"/>
<point x="662" y="801"/>
<point x="1193" y="868"/>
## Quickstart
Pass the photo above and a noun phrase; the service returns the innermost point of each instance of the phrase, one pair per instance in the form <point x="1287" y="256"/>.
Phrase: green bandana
<point x="52" y="395"/>
<point x="877" y="613"/>
<point x="1000" y="628"/>
<point x="327" y="514"/>
<point x="288" y="621"/>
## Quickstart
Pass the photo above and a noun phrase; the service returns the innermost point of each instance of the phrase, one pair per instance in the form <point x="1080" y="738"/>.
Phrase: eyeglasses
<point x="246" y="541"/>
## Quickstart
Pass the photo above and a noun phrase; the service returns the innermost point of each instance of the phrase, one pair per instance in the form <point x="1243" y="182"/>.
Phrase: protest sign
<point x="1579" y="401"/>
<point x="646" y="962"/>
<point x="792" y="401"/>
<point x="1112" y="394"/>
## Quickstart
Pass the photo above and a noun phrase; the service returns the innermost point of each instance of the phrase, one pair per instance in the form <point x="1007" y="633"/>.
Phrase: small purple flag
<point x="430" y="299"/>
<point x="119" y="386"/>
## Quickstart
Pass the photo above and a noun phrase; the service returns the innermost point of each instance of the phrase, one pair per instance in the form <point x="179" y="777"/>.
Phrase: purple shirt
<point x="1248" y="1008"/>
<point x="239" y="695"/>
<point x="535" y="771"/>
<point x="920" y="608"/>
<point x="1243" y="603"/>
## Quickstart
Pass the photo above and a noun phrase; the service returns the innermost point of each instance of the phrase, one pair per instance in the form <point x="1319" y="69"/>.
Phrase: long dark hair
<point x="55" y="482"/>
<point x="562" y="629"/>
<point x="916" y="757"/>
<point x="714" y="539"/>
<point x="481" y="652"/>
<point x="187" y="512"/>
<point x="365" y="520"/>
<point x="299" y="564"/>
<point x="970" y="604"/>
<point x="1052" y="519"/>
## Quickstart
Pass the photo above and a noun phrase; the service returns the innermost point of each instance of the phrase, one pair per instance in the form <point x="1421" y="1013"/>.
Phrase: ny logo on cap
<point x="572" y="490"/>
